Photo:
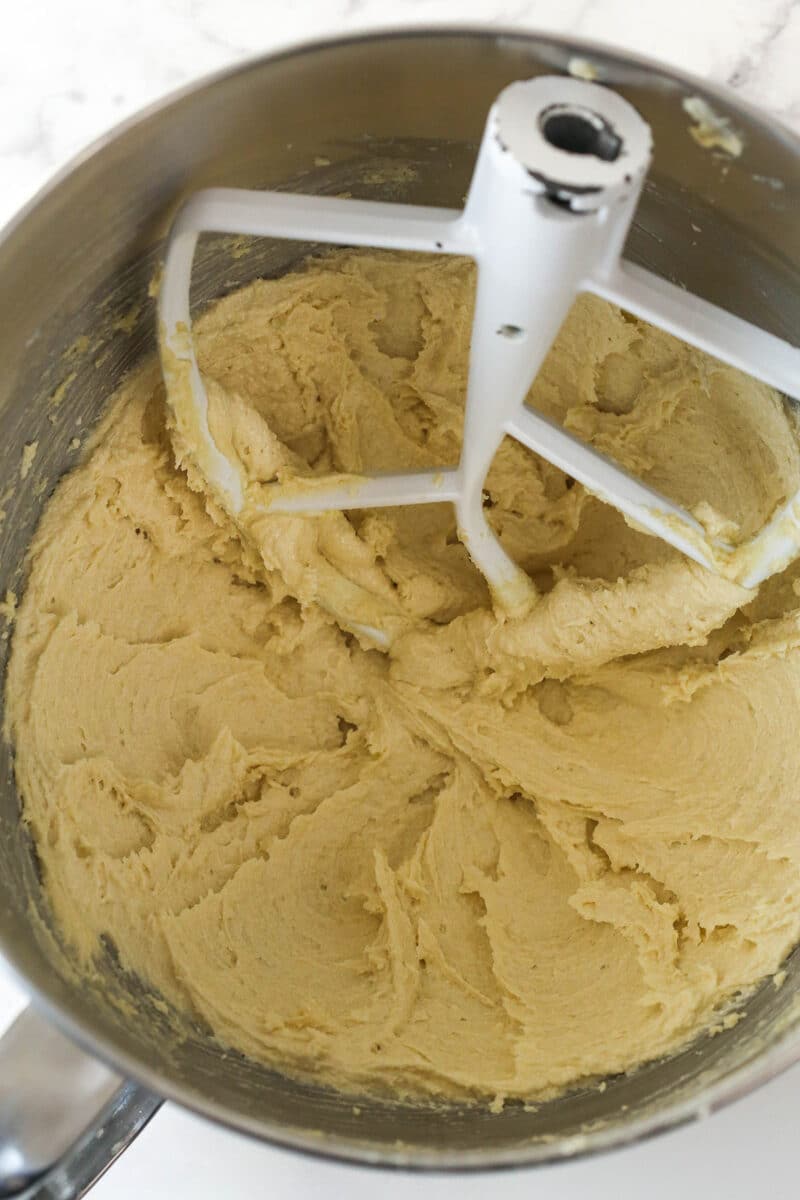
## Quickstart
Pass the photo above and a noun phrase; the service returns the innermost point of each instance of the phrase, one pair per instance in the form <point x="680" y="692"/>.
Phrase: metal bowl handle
<point x="64" y="1116"/>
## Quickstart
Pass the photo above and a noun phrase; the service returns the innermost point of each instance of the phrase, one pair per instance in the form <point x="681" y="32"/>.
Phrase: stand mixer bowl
<point x="387" y="116"/>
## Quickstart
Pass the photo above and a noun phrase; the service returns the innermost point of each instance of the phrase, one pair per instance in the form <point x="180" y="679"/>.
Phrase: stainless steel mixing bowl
<point x="395" y="116"/>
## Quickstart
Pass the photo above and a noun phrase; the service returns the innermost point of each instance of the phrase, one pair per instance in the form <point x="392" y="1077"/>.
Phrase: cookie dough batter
<point x="499" y="858"/>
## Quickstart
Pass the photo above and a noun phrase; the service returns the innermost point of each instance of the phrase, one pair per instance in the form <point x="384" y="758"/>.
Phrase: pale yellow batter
<point x="502" y="856"/>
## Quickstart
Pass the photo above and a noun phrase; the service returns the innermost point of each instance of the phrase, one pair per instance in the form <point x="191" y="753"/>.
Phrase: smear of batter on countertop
<point x="507" y="854"/>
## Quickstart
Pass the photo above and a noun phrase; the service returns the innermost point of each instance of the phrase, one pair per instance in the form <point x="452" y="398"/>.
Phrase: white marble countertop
<point x="69" y="71"/>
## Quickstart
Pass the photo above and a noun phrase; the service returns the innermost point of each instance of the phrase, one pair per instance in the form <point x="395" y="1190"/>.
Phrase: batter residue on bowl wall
<point x="498" y="858"/>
